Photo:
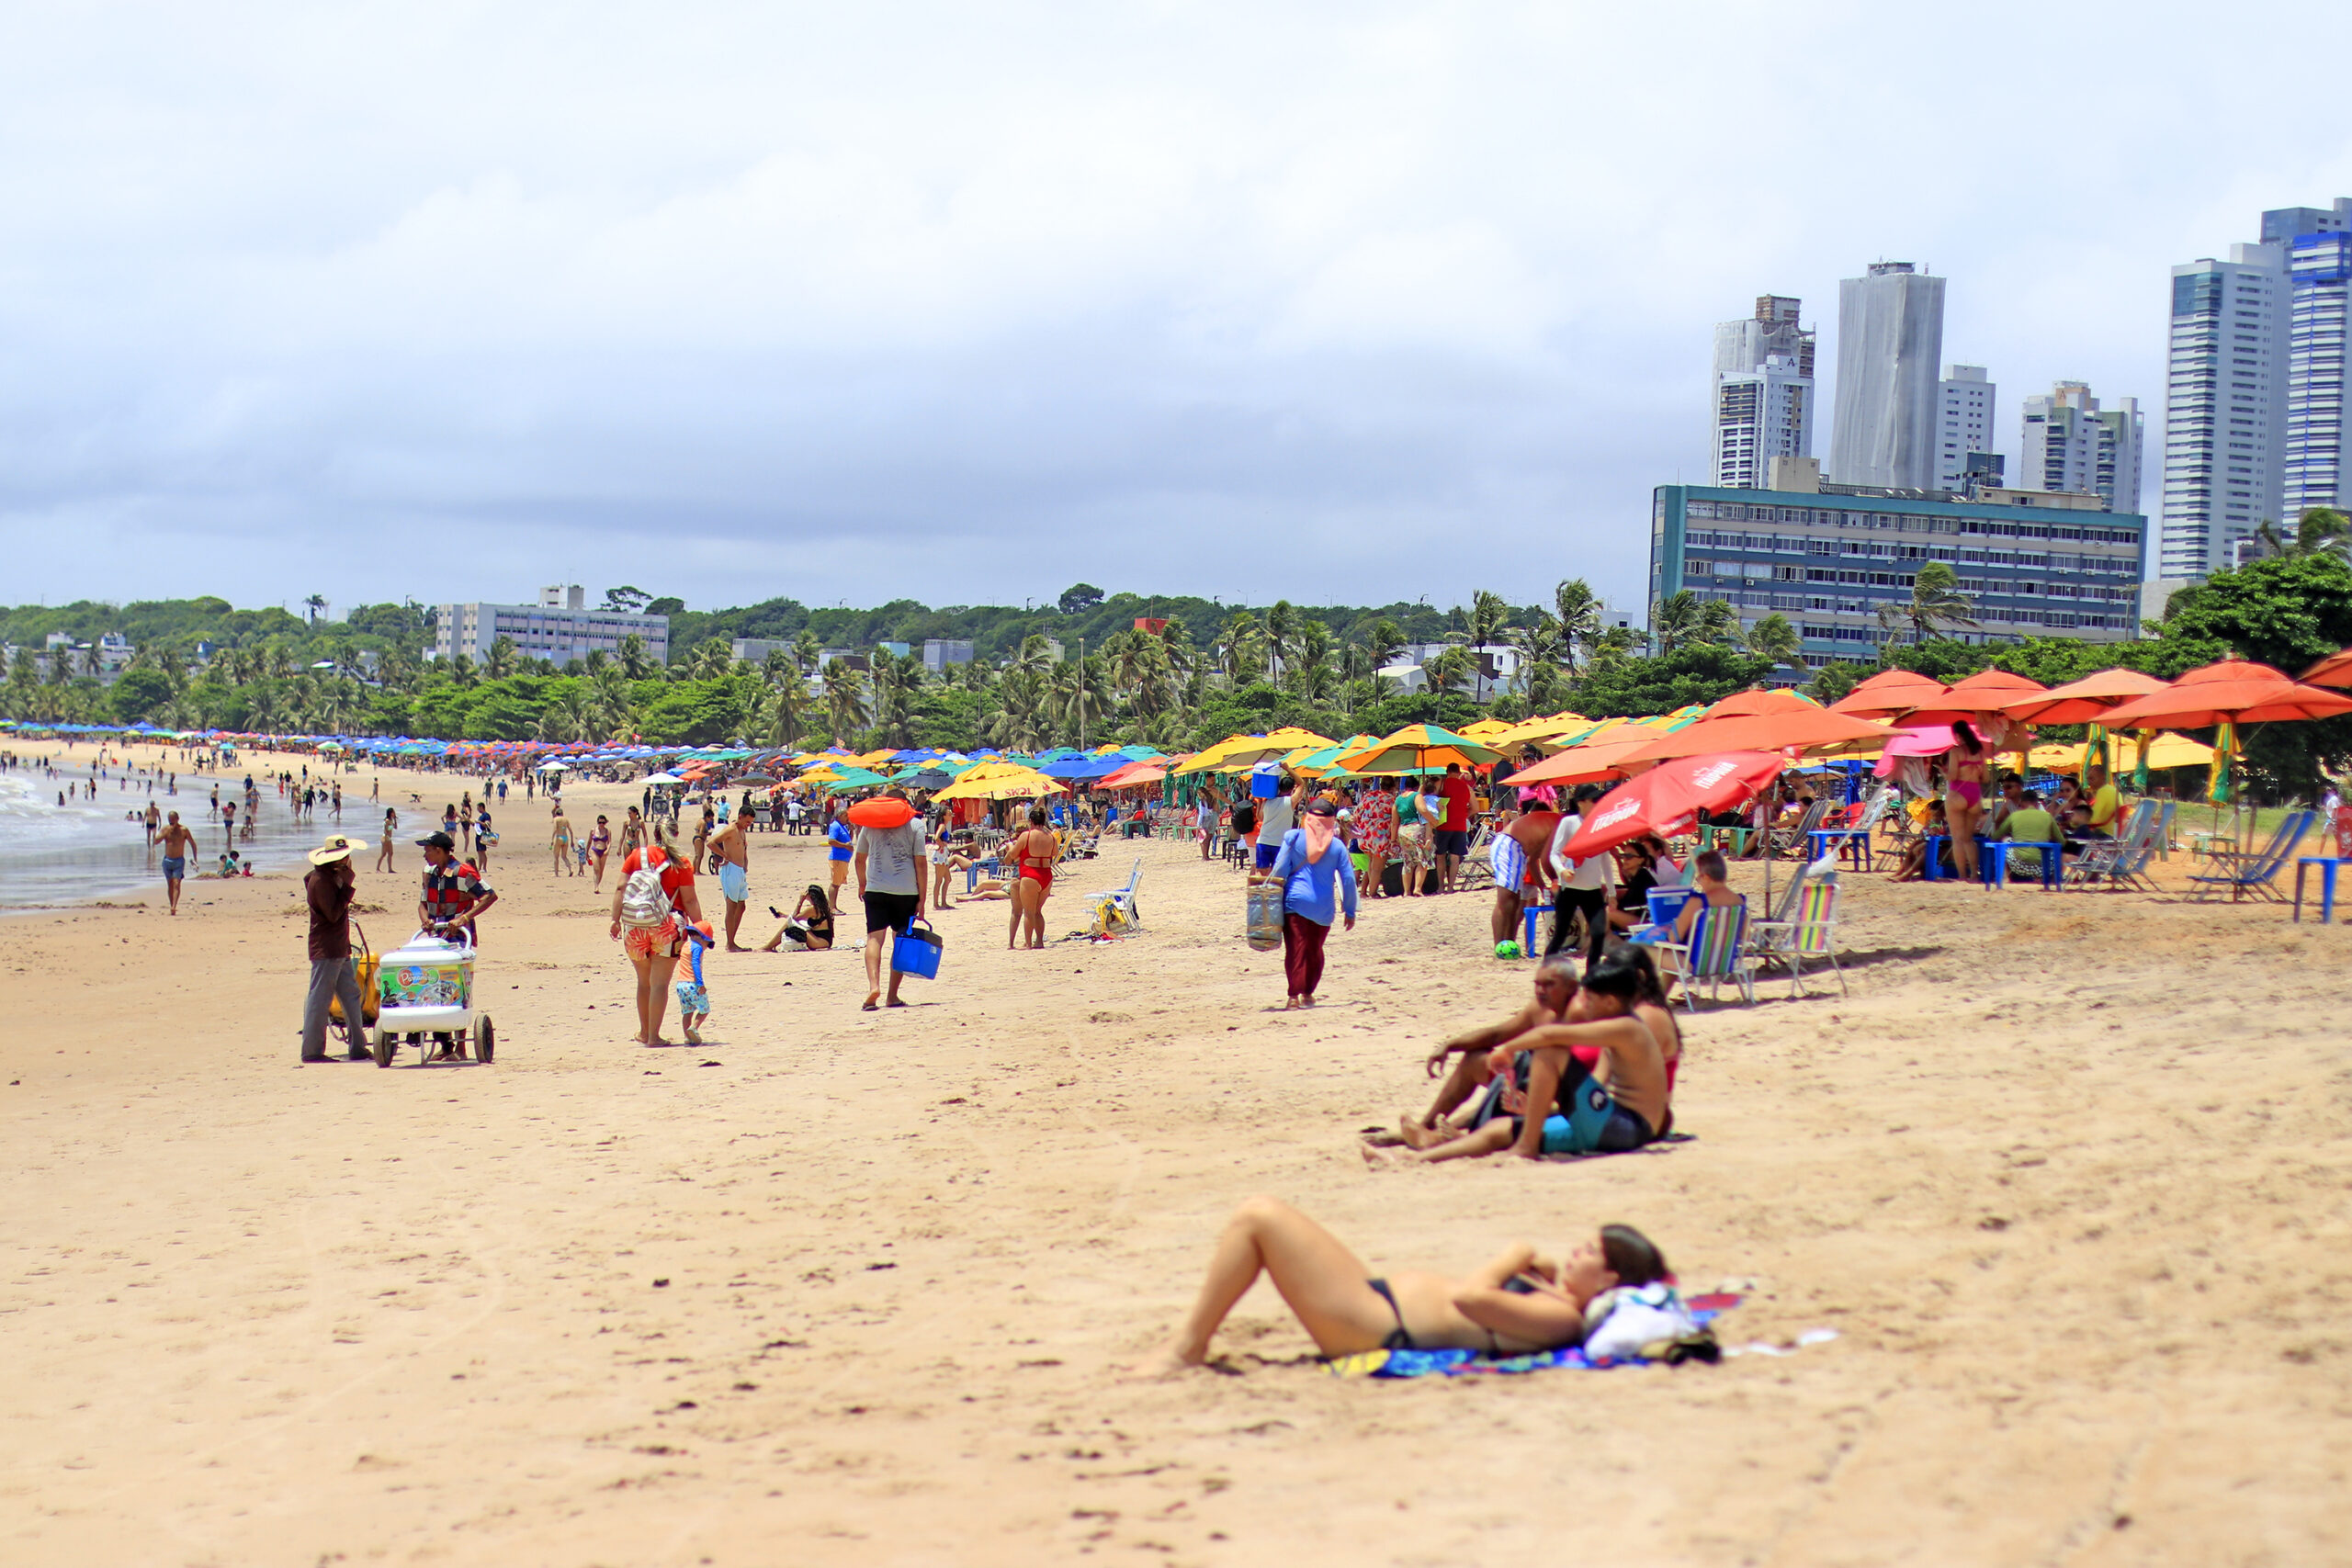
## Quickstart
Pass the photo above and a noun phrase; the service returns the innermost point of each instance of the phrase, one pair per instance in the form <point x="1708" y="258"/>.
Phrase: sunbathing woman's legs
<point x="1323" y="1281"/>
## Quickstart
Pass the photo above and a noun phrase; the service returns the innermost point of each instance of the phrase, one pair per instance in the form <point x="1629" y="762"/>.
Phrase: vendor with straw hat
<point x="330" y="887"/>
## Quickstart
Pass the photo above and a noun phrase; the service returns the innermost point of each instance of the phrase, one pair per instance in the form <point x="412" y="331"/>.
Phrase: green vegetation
<point x="1208" y="670"/>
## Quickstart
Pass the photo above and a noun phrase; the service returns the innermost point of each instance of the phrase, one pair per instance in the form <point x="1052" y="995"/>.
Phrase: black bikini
<point x="1400" y="1338"/>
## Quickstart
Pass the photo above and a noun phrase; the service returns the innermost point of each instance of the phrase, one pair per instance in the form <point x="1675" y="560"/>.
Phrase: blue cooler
<point x="916" y="951"/>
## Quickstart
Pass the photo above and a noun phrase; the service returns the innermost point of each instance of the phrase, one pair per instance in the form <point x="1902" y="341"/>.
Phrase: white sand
<point x="2068" y="1174"/>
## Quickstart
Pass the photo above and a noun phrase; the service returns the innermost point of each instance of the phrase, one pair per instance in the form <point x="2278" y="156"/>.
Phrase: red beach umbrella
<point x="1667" y="797"/>
<point x="2235" y="691"/>
<point x="2086" y="701"/>
<point x="1778" y="699"/>
<point x="1888" y="694"/>
<point x="2336" y="670"/>
<point x="1798" y="730"/>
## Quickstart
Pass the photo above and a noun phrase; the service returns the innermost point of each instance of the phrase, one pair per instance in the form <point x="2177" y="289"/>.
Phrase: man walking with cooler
<point x="893" y="877"/>
<point x="1454" y="829"/>
<point x="330" y="888"/>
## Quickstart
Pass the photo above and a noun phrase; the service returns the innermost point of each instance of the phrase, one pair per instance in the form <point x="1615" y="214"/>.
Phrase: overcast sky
<point x="1358" y="302"/>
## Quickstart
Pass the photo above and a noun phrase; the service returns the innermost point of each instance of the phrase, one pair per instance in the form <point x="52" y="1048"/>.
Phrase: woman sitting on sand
<point x="810" y="929"/>
<point x="1519" y="1304"/>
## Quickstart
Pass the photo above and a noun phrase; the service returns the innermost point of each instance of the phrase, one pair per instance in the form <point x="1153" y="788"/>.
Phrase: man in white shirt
<point x="1583" y="885"/>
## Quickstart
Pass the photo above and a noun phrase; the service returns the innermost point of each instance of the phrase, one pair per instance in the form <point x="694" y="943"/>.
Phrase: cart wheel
<point x="485" y="1038"/>
<point x="383" y="1047"/>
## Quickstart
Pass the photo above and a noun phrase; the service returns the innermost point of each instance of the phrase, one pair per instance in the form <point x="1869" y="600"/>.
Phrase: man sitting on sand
<point x="1556" y="988"/>
<point x="1569" y="1108"/>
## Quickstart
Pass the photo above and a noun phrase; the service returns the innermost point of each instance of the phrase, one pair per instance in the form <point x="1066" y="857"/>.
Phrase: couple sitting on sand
<point x="1581" y="1069"/>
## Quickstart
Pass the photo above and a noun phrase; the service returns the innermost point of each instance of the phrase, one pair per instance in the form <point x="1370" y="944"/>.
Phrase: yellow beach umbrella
<point x="1485" y="730"/>
<point x="999" y="782"/>
<point x="1538" y="730"/>
<point x="1415" y="747"/>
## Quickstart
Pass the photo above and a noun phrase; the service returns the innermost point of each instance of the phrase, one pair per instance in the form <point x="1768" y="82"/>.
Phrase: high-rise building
<point x="1838" y="558"/>
<point x="2225" y="407"/>
<point x="1889" y="343"/>
<point x="1764" y="393"/>
<point x="2070" y="444"/>
<point x="559" y="628"/>
<point x="2318" y="457"/>
<point x="1964" y="423"/>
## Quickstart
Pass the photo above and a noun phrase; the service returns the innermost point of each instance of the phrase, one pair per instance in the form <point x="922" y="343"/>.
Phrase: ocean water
<point x="52" y="855"/>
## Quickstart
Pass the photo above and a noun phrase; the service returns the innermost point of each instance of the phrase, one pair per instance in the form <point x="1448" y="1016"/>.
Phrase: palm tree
<point x="2321" y="530"/>
<point x="1017" y="723"/>
<point x="1077" y="698"/>
<point x="1312" y="676"/>
<point x="806" y="652"/>
<point x="499" y="662"/>
<point x="1538" y="648"/>
<point x="612" y="713"/>
<point x="1774" y="638"/>
<point x="637" y="660"/>
<point x="1454" y="667"/>
<point x="1488" y="613"/>
<point x="565" y="718"/>
<point x="1718" y="622"/>
<point x="785" y="710"/>
<point x="1240" y="649"/>
<point x="1578" y="608"/>
<point x="1282" y="624"/>
<point x="1936" y="602"/>
<point x="844" y="700"/>
<point x="92" y="664"/>
<point x="315" y="606"/>
<point x="711" y="661"/>
<point x="277" y="662"/>
<point x="1383" y="643"/>
<point x="1674" y="620"/>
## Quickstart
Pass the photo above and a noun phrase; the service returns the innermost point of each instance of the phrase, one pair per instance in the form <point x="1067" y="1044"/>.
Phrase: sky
<point x="1350" y="303"/>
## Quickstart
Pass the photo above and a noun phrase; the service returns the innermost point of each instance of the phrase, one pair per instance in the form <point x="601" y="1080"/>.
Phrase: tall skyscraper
<point x="2071" y="444"/>
<point x="1889" y="343"/>
<point x="1764" y="393"/>
<point x="2225" y="407"/>
<point x="1964" y="423"/>
<point x="2319" y="417"/>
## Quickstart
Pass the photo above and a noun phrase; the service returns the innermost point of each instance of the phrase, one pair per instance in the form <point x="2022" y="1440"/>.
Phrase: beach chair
<point x="1767" y="939"/>
<point x="1479" y="861"/>
<point x="2102" y="859"/>
<point x="1715" y="953"/>
<point x="1812" y="930"/>
<point x="1122" y="900"/>
<point x="1800" y="836"/>
<point x="2254" y="876"/>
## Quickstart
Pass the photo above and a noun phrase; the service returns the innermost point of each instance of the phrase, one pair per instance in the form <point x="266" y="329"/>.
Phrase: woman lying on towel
<point x="1519" y="1304"/>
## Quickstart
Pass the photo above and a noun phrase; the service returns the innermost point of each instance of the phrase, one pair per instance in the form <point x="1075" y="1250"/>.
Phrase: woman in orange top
<point x="654" y="950"/>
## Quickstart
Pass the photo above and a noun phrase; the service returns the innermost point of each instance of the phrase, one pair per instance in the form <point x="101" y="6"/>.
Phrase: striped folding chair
<point x="1716" y="952"/>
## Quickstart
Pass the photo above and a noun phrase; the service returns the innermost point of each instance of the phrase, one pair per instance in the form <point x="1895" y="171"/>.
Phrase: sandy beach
<point x="2070" y="1176"/>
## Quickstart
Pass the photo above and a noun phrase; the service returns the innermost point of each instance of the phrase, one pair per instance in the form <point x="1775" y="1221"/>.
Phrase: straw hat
<point x="337" y="847"/>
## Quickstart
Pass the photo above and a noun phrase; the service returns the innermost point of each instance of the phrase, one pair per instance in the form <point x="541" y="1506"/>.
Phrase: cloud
<point x="1343" y="303"/>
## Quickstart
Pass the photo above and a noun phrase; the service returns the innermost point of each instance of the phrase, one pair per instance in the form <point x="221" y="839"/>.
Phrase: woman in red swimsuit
<point x="1034" y="853"/>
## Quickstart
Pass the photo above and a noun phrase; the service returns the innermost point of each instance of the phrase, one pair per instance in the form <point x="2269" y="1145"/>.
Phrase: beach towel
<point x="1701" y="1311"/>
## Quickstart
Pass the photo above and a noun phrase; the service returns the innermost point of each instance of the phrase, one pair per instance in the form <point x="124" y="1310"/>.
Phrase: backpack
<point x="645" y="902"/>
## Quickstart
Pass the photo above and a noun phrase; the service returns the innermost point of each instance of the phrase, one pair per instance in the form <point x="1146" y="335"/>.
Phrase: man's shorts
<point x="1452" y="842"/>
<point x="890" y="911"/>
<point x="175" y="868"/>
<point x="734" y="883"/>
<point x="1266" y="853"/>
<point x="1510" y="864"/>
<point x="1590" y="1122"/>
